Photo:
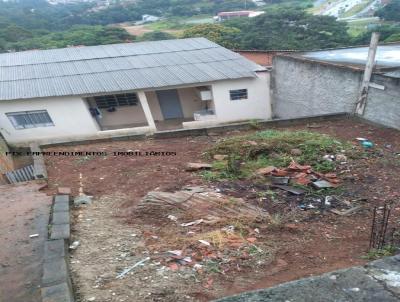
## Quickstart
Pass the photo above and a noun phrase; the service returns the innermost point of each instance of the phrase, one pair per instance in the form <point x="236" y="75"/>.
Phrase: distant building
<point x="222" y="16"/>
<point x="150" y="18"/>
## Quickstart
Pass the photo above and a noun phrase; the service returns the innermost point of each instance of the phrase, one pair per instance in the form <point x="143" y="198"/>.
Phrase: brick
<point x="57" y="293"/>
<point x="54" y="249"/>
<point x="54" y="272"/>
<point x="60" y="231"/>
<point x="64" y="191"/>
<point x="61" y="218"/>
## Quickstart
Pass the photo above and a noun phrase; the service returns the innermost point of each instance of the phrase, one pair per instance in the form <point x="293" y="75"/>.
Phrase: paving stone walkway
<point x="377" y="281"/>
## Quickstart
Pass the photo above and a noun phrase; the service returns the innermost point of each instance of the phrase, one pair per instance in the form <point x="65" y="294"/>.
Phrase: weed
<point x="387" y="250"/>
<point x="255" y="124"/>
<point x="212" y="267"/>
<point x="277" y="221"/>
<point x="248" y="153"/>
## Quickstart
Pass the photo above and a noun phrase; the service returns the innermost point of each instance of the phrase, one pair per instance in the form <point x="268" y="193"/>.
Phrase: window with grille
<point x="239" y="94"/>
<point x="116" y="100"/>
<point x="30" y="119"/>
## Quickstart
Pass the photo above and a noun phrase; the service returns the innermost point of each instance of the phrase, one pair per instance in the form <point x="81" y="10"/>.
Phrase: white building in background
<point x="83" y="93"/>
<point x="222" y="16"/>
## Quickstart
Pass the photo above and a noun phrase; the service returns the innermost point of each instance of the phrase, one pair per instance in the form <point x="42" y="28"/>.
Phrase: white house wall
<point x="257" y="106"/>
<point x="70" y="116"/>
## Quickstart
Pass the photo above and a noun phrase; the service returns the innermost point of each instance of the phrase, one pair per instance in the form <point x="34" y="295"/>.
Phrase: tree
<point x="156" y="36"/>
<point x="389" y="33"/>
<point x="290" y="28"/>
<point x="390" y="12"/>
<point x="223" y="35"/>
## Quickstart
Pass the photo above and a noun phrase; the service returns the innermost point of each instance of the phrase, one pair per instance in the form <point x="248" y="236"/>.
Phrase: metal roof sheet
<point x="118" y="67"/>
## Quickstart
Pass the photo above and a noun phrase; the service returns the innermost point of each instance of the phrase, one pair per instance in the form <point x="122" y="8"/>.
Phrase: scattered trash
<point x="175" y="252"/>
<point x="91" y="299"/>
<point x="34" y="236"/>
<point x="367" y="144"/>
<point x="197" y="166"/>
<point x="205" y="242"/>
<point x="346" y="212"/>
<point x="279" y="180"/>
<point x="329" y="157"/>
<point x="172" y="217"/>
<point x="293" y="190"/>
<point x="120" y="276"/>
<point x="74" y="245"/>
<point x="196" y="222"/>
<point x="322" y="184"/>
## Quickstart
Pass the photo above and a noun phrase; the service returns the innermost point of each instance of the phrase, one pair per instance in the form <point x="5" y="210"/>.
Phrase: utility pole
<point x="363" y="95"/>
<point x="245" y="4"/>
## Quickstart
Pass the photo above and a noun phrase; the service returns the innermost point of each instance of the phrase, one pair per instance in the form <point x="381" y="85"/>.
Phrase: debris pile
<point x="300" y="175"/>
<point x="200" y="229"/>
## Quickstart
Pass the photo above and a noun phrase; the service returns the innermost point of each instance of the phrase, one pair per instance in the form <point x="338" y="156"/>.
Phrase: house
<point x="222" y="16"/>
<point x="150" y="18"/>
<point x="107" y="91"/>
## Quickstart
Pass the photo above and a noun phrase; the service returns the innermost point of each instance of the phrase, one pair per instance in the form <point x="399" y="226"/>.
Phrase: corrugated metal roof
<point x="118" y="67"/>
<point x="393" y="74"/>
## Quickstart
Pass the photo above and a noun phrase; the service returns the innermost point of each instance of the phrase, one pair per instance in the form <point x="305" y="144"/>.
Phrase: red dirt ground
<point x="24" y="211"/>
<point x="324" y="243"/>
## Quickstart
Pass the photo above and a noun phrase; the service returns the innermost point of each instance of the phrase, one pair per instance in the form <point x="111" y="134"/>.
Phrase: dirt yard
<point x="233" y="255"/>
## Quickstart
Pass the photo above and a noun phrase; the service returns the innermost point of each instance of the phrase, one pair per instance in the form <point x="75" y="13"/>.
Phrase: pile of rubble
<point x="195" y="228"/>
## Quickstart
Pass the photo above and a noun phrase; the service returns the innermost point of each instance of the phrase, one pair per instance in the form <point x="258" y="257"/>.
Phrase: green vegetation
<point x="281" y="28"/>
<point x="390" y="12"/>
<point x="388" y="250"/>
<point x="248" y="153"/>
<point x="156" y="36"/>
<point x="77" y="35"/>
<point x="217" y="33"/>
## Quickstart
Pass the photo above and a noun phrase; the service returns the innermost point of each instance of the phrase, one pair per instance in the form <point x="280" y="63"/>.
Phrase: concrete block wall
<point x="302" y="87"/>
<point x="383" y="106"/>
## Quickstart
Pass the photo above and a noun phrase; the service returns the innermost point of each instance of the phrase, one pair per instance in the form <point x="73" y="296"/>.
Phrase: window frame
<point x="238" y="94"/>
<point x="116" y="100"/>
<point x="31" y="120"/>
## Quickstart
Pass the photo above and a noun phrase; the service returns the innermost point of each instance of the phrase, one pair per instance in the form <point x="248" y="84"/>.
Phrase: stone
<point x="60" y="231"/>
<point x="64" y="191"/>
<point x="54" y="249"/>
<point x="82" y="199"/>
<point x="296" y="152"/>
<point x="57" y="293"/>
<point x="341" y="158"/>
<point x="197" y="166"/>
<point x="54" y="272"/>
<point x="61" y="218"/>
